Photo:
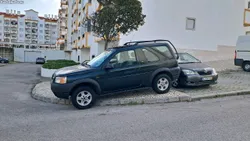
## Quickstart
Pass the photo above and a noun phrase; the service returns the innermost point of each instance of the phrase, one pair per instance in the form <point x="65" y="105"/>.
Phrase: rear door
<point x="152" y="59"/>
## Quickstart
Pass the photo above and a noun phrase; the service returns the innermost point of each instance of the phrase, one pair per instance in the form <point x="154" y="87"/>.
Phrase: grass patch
<point x="57" y="64"/>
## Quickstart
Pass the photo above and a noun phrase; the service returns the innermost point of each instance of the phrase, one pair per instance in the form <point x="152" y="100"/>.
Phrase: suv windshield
<point x="97" y="61"/>
<point x="185" y="58"/>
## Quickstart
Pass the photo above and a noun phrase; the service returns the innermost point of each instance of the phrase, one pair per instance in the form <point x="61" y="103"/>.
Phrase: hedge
<point x="57" y="64"/>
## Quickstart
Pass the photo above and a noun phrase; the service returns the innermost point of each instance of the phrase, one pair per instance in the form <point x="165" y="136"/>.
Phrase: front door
<point x="124" y="73"/>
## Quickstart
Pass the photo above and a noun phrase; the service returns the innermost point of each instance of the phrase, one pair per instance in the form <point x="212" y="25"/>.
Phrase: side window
<point x="164" y="50"/>
<point x="150" y="57"/>
<point x="124" y="59"/>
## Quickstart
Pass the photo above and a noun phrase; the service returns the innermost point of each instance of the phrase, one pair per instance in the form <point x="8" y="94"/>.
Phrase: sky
<point x="41" y="6"/>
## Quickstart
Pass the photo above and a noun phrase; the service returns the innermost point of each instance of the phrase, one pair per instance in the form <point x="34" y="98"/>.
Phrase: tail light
<point x="235" y="54"/>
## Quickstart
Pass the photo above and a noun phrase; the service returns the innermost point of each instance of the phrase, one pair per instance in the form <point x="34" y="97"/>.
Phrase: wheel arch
<point x="88" y="82"/>
<point x="159" y="72"/>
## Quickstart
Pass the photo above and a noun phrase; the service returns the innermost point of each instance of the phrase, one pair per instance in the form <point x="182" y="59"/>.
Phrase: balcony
<point x="14" y="37"/>
<point x="34" y="31"/>
<point x="64" y="32"/>
<point x="64" y="6"/>
<point x="6" y="40"/>
<point x="28" y="41"/>
<point x="28" y="32"/>
<point x="6" y="29"/>
<point x="13" y="31"/>
<point x="46" y="25"/>
<point x="13" y="40"/>
<point x="6" y="24"/>
<point x="34" y="25"/>
<point x="64" y="1"/>
<point x="6" y="35"/>
<point x="34" y="41"/>
<point x="47" y="38"/>
<point x="34" y="37"/>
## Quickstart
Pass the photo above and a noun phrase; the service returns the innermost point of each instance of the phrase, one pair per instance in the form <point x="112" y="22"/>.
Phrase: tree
<point x="117" y="16"/>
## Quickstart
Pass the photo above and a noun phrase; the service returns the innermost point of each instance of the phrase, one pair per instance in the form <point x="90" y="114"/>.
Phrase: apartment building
<point x="80" y="43"/>
<point x="62" y="24"/>
<point x="28" y="30"/>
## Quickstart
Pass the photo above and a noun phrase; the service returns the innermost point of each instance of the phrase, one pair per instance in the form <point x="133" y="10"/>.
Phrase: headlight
<point x="214" y="71"/>
<point x="61" y="80"/>
<point x="189" y="72"/>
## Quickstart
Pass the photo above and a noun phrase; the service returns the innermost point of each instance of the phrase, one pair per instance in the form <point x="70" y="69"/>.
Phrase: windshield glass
<point x="185" y="58"/>
<point x="97" y="61"/>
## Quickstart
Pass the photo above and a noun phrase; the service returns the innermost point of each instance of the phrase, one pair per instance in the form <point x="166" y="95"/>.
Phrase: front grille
<point x="203" y="72"/>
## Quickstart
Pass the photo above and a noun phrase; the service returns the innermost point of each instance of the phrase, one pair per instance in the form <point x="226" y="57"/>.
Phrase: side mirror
<point x="85" y="62"/>
<point x="109" y="66"/>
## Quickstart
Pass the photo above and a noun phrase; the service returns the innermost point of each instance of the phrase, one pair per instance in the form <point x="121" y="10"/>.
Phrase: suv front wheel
<point x="83" y="97"/>
<point x="162" y="84"/>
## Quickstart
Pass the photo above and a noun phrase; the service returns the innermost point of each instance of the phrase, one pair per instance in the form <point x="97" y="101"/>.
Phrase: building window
<point x="53" y="32"/>
<point x="0" y="21"/>
<point x="41" y="25"/>
<point x="40" y="37"/>
<point x="20" y="29"/>
<point x="21" y="35"/>
<point x="21" y="23"/>
<point x="41" y="31"/>
<point x="190" y="23"/>
<point x="248" y="5"/>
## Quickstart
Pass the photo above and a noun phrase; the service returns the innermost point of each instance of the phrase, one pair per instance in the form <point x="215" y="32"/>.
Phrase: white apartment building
<point x="192" y="24"/>
<point x="80" y="43"/>
<point x="28" y="30"/>
<point x="62" y="24"/>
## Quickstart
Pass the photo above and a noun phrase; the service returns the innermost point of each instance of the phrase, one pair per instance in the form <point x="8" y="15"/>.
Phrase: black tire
<point x="245" y="66"/>
<point x="156" y="82"/>
<point x="76" y="94"/>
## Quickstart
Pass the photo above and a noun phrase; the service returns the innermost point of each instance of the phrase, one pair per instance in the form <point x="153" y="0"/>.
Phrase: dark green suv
<point x="134" y="65"/>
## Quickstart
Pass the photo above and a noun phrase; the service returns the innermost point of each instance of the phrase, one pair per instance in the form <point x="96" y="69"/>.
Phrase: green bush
<point x="57" y="64"/>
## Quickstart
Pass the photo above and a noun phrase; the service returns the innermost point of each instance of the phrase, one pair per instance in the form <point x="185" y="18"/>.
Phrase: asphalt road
<point x="25" y="119"/>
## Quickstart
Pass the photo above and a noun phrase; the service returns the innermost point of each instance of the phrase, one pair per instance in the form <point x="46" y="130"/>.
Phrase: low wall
<point x="47" y="72"/>
<point x="222" y="53"/>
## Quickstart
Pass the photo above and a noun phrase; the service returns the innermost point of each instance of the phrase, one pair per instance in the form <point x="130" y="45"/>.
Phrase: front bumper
<point x="198" y="80"/>
<point x="61" y="91"/>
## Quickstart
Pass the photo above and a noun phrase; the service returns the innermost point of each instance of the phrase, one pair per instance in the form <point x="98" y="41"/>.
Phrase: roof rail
<point x="151" y="41"/>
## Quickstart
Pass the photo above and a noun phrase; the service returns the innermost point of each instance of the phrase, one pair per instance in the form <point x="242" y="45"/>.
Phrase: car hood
<point x="194" y="66"/>
<point x="72" y="69"/>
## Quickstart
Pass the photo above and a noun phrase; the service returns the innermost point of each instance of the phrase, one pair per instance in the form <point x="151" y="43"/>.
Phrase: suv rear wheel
<point x="246" y="66"/>
<point x="83" y="97"/>
<point x="162" y="84"/>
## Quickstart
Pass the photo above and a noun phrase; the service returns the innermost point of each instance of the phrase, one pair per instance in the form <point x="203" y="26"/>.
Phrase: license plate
<point x="207" y="78"/>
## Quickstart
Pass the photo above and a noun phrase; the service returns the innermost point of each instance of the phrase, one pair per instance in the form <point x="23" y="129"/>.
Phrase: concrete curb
<point x="210" y="96"/>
